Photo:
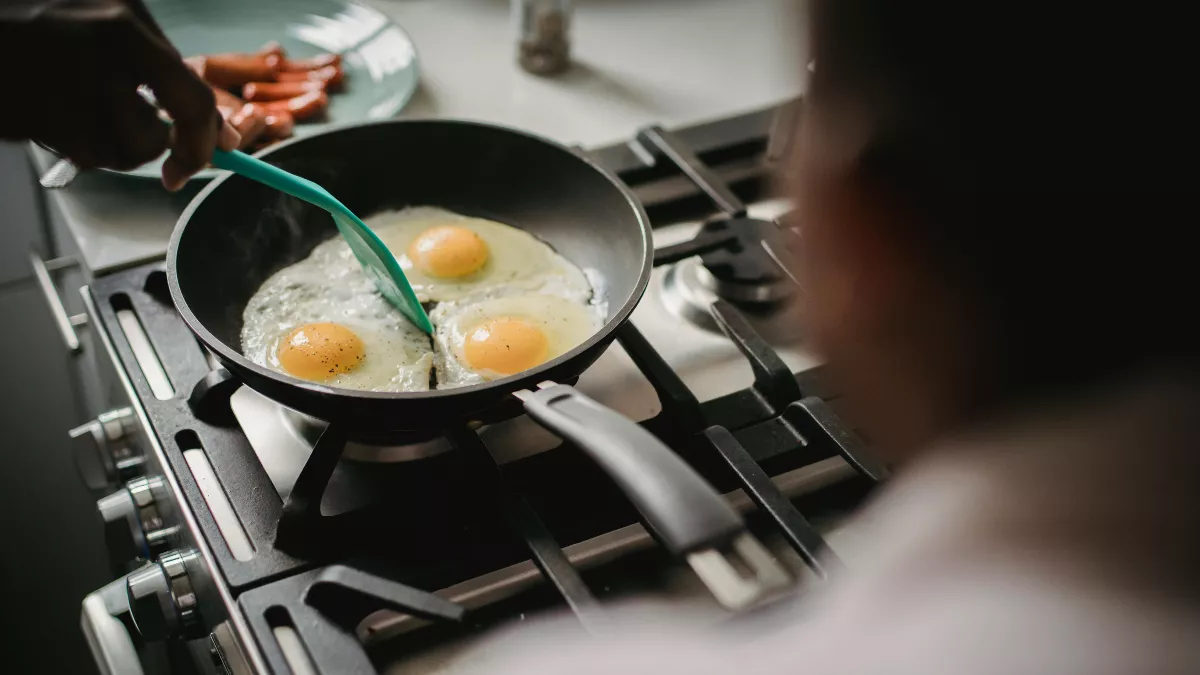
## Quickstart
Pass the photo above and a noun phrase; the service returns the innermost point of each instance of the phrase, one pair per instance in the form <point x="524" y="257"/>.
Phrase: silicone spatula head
<point x="381" y="267"/>
<point x="377" y="261"/>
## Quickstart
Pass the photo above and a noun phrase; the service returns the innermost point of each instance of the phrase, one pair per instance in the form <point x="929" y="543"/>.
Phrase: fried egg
<point x="487" y="339"/>
<point x="447" y="256"/>
<point x="322" y="320"/>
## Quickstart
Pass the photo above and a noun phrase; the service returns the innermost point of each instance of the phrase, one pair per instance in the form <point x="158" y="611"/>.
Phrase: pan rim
<point x="510" y="383"/>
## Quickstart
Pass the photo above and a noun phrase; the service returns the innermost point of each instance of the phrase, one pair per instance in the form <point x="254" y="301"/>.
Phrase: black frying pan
<point x="237" y="233"/>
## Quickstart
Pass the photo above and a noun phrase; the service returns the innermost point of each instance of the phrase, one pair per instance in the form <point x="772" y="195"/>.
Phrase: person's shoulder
<point x="1002" y="620"/>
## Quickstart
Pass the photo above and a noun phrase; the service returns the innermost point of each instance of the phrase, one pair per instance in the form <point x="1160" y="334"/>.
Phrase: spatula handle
<point x="258" y="170"/>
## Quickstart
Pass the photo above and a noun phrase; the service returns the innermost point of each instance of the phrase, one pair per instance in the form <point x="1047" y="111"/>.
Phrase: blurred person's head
<point x="990" y="210"/>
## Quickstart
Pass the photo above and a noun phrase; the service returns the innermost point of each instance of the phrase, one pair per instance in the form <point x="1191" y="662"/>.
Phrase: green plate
<point x="379" y="58"/>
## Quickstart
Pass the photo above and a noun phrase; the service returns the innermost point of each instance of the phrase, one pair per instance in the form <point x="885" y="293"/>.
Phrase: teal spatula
<point x="377" y="261"/>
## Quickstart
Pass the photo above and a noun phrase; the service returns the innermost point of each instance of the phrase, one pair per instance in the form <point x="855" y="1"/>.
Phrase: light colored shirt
<point x="1066" y="543"/>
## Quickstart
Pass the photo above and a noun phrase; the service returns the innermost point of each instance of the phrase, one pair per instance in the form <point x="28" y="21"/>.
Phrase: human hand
<point x="78" y="65"/>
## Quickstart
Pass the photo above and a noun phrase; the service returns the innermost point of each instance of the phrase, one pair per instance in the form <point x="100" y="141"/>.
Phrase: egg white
<point x="516" y="259"/>
<point x="523" y="278"/>
<point x="566" y="322"/>
<point x="330" y="286"/>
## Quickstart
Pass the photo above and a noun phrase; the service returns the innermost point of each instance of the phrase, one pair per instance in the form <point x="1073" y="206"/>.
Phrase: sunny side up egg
<point x="505" y="302"/>
<point x="487" y="339"/>
<point x="447" y="256"/>
<point x="322" y="320"/>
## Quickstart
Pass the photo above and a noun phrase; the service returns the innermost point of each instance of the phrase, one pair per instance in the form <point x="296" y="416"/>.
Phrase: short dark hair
<point x="1040" y="156"/>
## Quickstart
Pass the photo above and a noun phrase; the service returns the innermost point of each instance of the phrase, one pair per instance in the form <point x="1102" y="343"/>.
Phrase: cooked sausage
<point x="273" y="54"/>
<point x="250" y="122"/>
<point x="314" y="63"/>
<point x="272" y="48"/>
<point x="277" y="91"/>
<point x="332" y="76"/>
<point x="279" y="125"/>
<point x="301" y="107"/>
<point x="234" y="70"/>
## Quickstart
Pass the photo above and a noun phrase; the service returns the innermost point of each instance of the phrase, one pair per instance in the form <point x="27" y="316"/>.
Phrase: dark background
<point x="51" y="545"/>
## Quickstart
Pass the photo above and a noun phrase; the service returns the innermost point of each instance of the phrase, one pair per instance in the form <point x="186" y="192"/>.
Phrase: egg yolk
<point x="505" y="345"/>
<point x="448" y="251"/>
<point x="319" y="351"/>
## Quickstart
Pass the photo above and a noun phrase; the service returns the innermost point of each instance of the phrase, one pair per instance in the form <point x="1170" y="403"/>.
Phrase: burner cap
<point x="687" y="292"/>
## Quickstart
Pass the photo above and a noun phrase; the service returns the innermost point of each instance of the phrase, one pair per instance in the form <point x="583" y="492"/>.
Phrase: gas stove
<point x="255" y="549"/>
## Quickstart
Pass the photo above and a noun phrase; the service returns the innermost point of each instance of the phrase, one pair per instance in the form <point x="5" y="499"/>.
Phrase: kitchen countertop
<point x="637" y="62"/>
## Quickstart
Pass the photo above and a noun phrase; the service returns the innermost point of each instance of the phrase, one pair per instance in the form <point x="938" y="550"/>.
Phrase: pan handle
<point x="684" y="511"/>
<point x="686" y="514"/>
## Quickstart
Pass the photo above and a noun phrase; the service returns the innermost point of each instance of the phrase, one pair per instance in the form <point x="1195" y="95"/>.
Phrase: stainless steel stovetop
<point x="203" y="506"/>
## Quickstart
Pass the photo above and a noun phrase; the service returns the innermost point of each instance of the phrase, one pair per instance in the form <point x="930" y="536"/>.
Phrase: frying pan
<point x="237" y="233"/>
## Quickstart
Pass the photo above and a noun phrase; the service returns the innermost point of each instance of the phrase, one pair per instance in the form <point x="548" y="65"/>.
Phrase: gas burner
<point x="743" y="271"/>
<point x="742" y="261"/>
<point x="402" y="447"/>
<point x="283" y="440"/>
<point x="734" y="257"/>
<point x="689" y="290"/>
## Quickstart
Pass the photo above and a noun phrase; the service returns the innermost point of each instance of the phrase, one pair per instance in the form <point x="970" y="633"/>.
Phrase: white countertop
<point x="637" y="62"/>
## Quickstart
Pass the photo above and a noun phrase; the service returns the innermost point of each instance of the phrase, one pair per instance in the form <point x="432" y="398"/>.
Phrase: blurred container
<point x="543" y="35"/>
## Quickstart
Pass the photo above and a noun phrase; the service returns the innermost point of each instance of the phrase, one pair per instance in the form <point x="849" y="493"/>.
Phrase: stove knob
<point x="134" y="526"/>
<point x="162" y="601"/>
<point x="103" y="454"/>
